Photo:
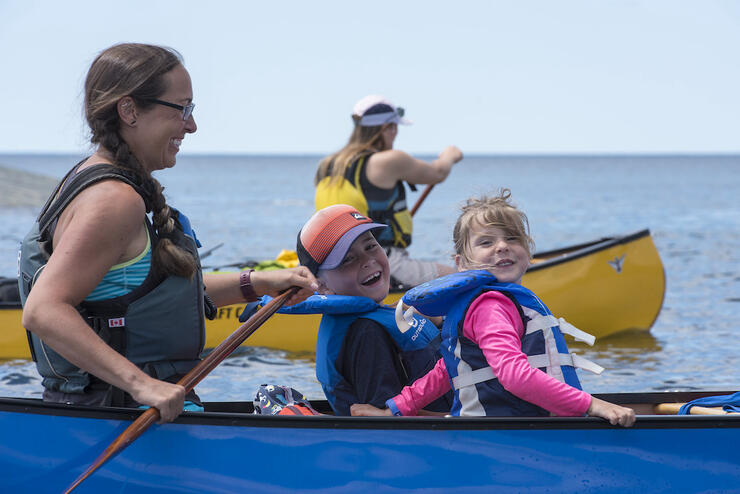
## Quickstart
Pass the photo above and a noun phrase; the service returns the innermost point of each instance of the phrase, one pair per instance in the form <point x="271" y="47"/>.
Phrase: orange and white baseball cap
<point x="327" y="236"/>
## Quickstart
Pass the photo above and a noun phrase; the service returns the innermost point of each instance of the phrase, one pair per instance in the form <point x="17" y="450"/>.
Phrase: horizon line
<point x="466" y="155"/>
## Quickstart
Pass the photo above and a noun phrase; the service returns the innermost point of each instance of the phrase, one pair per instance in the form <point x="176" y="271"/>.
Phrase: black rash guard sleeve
<point x="370" y="362"/>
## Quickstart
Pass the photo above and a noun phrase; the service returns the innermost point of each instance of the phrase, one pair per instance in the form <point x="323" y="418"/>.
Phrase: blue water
<point x="255" y="206"/>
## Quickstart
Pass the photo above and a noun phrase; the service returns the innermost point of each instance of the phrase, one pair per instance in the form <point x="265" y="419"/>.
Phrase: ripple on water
<point x="19" y="378"/>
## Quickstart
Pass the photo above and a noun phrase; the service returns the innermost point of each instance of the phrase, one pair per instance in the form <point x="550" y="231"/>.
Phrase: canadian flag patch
<point x="117" y="323"/>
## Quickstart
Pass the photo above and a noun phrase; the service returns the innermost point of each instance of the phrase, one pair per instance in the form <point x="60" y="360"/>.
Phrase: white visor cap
<point x="375" y="110"/>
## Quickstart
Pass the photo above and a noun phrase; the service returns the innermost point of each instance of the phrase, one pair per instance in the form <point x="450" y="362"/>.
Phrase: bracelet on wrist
<point x="245" y="285"/>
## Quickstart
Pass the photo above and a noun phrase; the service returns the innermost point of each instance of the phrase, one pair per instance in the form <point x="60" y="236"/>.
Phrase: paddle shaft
<point x="188" y="381"/>
<point x="421" y="198"/>
<point x="673" y="408"/>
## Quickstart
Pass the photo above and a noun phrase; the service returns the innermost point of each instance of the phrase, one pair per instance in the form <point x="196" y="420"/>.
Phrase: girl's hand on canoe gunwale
<point x="365" y="410"/>
<point x="615" y="414"/>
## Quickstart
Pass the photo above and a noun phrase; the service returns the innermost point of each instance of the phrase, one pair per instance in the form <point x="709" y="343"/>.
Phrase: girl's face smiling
<point x="492" y="249"/>
<point x="364" y="271"/>
<point x="159" y="130"/>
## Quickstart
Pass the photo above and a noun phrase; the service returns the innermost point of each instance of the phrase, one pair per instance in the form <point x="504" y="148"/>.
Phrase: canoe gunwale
<point x="574" y="252"/>
<point x="571" y="253"/>
<point x="242" y="419"/>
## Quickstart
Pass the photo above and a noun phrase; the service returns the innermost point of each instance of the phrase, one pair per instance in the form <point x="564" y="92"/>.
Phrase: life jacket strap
<point x="571" y="359"/>
<point x="473" y="377"/>
<point x="544" y="322"/>
<point x="537" y="361"/>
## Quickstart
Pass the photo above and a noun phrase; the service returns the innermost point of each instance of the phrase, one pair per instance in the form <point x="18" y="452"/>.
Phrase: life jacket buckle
<point x="405" y="320"/>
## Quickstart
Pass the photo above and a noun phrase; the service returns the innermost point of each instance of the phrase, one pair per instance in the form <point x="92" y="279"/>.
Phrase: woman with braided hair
<point x="115" y="302"/>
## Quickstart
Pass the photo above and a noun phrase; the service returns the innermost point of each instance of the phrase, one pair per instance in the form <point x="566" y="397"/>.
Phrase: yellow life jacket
<point x="354" y="188"/>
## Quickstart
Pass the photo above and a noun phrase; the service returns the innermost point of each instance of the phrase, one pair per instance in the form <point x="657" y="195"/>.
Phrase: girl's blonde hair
<point x="364" y="140"/>
<point x="497" y="211"/>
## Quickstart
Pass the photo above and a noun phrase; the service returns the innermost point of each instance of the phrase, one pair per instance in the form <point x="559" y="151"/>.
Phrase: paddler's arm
<point x="385" y="168"/>
<point x="367" y="410"/>
<point x="225" y="288"/>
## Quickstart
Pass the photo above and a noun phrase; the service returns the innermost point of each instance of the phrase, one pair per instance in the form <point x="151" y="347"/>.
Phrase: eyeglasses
<point x="186" y="110"/>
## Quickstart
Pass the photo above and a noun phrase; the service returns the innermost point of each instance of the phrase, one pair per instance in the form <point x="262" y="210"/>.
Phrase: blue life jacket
<point x="477" y="391"/>
<point x="729" y="403"/>
<point x="339" y="312"/>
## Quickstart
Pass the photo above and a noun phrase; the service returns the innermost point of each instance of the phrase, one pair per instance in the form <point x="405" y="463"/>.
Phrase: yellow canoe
<point x="602" y="287"/>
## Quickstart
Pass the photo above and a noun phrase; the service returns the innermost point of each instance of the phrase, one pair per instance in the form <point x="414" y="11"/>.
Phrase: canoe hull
<point x="579" y="283"/>
<point x="605" y="287"/>
<point x="46" y="448"/>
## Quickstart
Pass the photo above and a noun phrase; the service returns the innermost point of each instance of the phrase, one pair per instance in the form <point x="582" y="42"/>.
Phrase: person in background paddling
<point x="503" y="351"/>
<point x="360" y="354"/>
<point x="114" y="301"/>
<point x="368" y="174"/>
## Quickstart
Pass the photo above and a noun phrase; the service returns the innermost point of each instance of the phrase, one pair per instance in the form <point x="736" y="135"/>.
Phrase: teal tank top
<point x="125" y="277"/>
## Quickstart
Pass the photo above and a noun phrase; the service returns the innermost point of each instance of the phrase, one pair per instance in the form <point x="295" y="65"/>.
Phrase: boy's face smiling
<point x="364" y="271"/>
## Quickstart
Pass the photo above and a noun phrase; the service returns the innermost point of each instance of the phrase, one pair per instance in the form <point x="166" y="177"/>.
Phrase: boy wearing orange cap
<point x="361" y="355"/>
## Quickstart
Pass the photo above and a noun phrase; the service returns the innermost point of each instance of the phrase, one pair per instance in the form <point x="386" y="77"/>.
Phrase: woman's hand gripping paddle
<point x="189" y="381"/>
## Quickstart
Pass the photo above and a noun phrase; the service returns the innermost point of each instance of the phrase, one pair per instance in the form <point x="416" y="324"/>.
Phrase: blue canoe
<point x="225" y="449"/>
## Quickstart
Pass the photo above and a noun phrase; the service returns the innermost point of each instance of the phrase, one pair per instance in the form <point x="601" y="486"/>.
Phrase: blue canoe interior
<point x="45" y="447"/>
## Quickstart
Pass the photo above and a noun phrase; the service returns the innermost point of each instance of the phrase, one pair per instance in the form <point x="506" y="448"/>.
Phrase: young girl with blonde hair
<point x="503" y="350"/>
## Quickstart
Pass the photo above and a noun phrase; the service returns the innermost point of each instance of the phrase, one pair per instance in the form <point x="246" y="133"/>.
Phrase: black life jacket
<point x="159" y="326"/>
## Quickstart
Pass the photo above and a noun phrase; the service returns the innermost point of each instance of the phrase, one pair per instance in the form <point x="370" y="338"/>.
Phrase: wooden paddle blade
<point x="128" y="436"/>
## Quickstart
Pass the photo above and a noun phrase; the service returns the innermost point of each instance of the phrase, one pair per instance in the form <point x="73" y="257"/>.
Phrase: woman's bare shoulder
<point x="107" y="208"/>
<point x="114" y="196"/>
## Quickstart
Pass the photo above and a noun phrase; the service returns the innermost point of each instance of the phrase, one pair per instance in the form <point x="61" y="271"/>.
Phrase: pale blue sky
<point x="545" y="76"/>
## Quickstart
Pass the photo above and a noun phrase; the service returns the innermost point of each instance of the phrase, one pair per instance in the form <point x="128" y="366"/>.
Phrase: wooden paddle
<point x="188" y="381"/>
<point x="421" y="198"/>
<point x="673" y="408"/>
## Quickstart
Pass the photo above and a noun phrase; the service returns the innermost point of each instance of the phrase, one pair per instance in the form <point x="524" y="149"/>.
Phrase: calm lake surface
<point x="255" y="205"/>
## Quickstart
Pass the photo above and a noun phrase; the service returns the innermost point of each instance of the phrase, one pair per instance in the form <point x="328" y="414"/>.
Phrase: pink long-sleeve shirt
<point x="494" y="324"/>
